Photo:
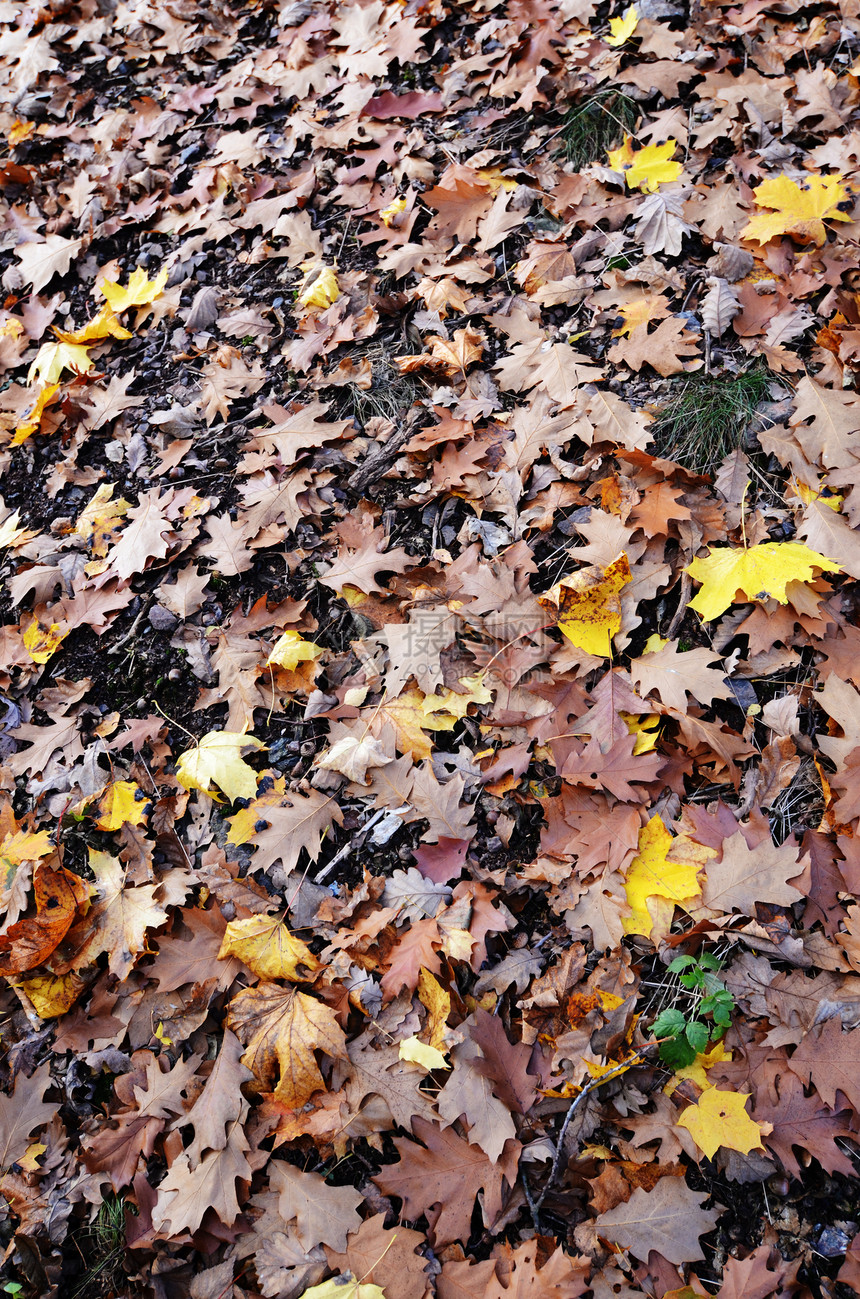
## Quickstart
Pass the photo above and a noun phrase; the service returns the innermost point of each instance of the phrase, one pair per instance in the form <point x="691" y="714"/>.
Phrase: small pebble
<point x="162" y="619"/>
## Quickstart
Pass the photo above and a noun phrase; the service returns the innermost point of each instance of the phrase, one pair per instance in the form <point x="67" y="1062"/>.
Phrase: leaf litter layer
<point x="429" y="731"/>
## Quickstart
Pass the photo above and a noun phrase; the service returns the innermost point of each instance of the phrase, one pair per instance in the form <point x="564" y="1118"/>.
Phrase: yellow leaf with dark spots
<point x="119" y="806"/>
<point x="797" y="210"/>
<point x="42" y="643"/>
<point x="589" y="605"/>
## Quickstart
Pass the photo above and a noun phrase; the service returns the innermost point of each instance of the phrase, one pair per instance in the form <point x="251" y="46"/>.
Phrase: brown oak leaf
<point x="442" y="1178"/>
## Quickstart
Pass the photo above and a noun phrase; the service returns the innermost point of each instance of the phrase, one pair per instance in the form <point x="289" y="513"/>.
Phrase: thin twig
<point x="347" y="847"/>
<point x="535" y="1205"/>
<point x="383" y="456"/>
<point x="678" y="618"/>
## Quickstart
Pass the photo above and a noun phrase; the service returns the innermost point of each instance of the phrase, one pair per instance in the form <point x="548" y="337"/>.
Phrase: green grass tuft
<point x="705" y="418"/>
<point x="597" y="124"/>
<point x="104" y="1250"/>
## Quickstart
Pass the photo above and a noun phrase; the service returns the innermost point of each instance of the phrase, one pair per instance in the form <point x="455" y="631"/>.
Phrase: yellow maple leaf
<point x="12" y="534"/>
<point x="139" y="292"/>
<point x="756" y="572"/>
<point x="654" y="644"/>
<point x="412" y="723"/>
<point x="697" y="1071"/>
<point x="621" y="29"/>
<point x="32" y="421"/>
<point x="644" y="727"/>
<point x="389" y="214"/>
<point x="51" y="994"/>
<point x="29" y="1161"/>
<point x="613" y="1068"/>
<point x="42" y="643"/>
<point x="797" y="211"/>
<point x="433" y="996"/>
<point x="655" y="885"/>
<point x="19" y="131"/>
<point x="809" y="494"/>
<point x="414" y="1051"/>
<point x="119" y="806"/>
<point x="100" y="518"/>
<point x="216" y="759"/>
<point x="319" y="287"/>
<point x="266" y="946"/>
<point x="291" y="649"/>
<point x="494" y="179"/>
<point x="457" y="704"/>
<point x="720" y="1119"/>
<point x="641" y="311"/>
<point x="344" y="1287"/>
<point x="414" y="713"/>
<point x="25" y="845"/>
<point x="647" y="168"/>
<point x="282" y="1029"/>
<point x="104" y="325"/>
<point x="53" y="358"/>
<point x="589" y="605"/>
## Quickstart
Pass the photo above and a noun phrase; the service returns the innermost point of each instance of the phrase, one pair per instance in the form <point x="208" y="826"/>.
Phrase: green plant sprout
<point x="687" y="1034"/>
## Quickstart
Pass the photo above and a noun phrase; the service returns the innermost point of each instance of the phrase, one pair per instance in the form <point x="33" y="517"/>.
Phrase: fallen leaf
<point x="281" y="1029"/>
<point x="649" y="167"/>
<point x="621" y="29"/>
<point x="139" y="292"/>
<point x="798" y="210"/>
<point x="719" y="1118"/>
<point x="269" y="950"/>
<point x="652" y="878"/>
<point x="442" y="1179"/>
<point x="32" y="421"/>
<point x="290" y="649"/>
<point x="668" y="1219"/>
<point x="320" y="288"/>
<point x="589" y="605"/>
<point x="120" y="805"/>
<point x="759" y="572"/>
<point x="216" y="759"/>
